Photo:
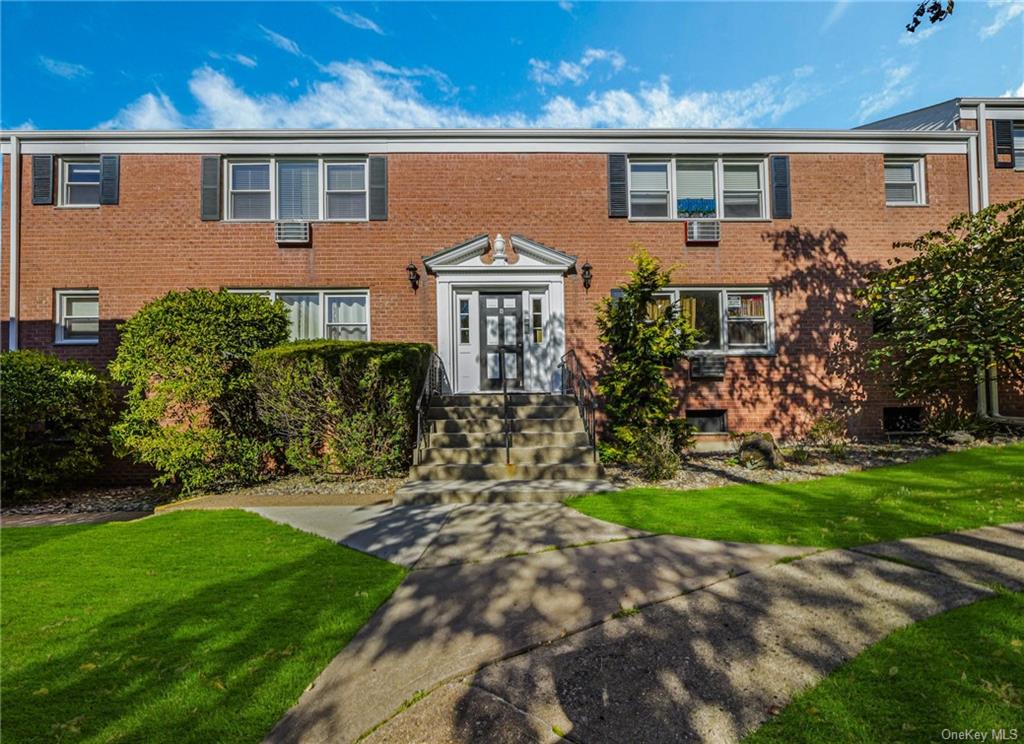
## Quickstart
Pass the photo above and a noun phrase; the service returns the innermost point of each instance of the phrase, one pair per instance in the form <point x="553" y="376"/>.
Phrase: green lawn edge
<point x="947" y="492"/>
<point x="185" y="627"/>
<point x="962" y="670"/>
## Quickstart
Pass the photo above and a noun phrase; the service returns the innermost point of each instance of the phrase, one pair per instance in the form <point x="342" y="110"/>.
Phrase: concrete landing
<point x="495" y="491"/>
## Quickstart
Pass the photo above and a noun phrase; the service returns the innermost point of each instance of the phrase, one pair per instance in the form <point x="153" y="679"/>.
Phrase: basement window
<point x="902" y="419"/>
<point x="78" y="316"/>
<point x="708" y="422"/>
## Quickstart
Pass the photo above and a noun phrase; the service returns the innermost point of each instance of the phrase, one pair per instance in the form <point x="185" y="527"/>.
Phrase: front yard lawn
<point x="938" y="494"/>
<point x="188" y="627"/>
<point x="960" y="671"/>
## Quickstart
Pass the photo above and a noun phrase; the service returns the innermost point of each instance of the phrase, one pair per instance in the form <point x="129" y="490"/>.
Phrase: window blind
<point x="742" y="177"/>
<point x="297" y="190"/>
<point x="649" y="177"/>
<point x="346" y="177"/>
<point x="250" y="177"/>
<point x="695" y="180"/>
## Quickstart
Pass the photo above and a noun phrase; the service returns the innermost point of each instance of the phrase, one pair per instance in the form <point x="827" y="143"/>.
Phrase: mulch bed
<point x="124" y="499"/>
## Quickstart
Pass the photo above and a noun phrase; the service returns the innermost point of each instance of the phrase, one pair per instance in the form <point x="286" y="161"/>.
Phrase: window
<point x="742" y="191"/>
<point x="322" y="313"/>
<point x="81" y="179"/>
<point x="249" y="191"/>
<point x="537" y="320"/>
<point x="298" y="189"/>
<point x="707" y="422"/>
<point x="902" y="419"/>
<point x="346" y="191"/>
<point x="904" y="181"/>
<point x="730" y="321"/>
<point x="301" y="189"/>
<point x="648" y="189"/>
<point x="708" y="188"/>
<point x="1018" y="145"/>
<point x="463" y="321"/>
<point x="78" y="316"/>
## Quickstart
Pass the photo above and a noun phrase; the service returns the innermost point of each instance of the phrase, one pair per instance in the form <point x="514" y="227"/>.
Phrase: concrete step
<point x="519" y="439"/>
<point x="497" y="425"/>
<point x="516" y="399"/>
<point x="478" y="413"/>
<point x="495" y="491"/>
<point x="496" y="455"/>
<point x="500" y="471"/>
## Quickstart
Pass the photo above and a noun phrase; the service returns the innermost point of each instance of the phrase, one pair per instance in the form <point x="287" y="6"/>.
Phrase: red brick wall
<point x="154" y="241"/>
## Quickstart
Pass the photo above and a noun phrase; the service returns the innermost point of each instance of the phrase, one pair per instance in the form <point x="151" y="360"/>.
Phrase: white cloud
<point x="547" y="73"/>
<point x="1019" y="93"/>
<point x="150" y="111"/>
<point x="356" y="20"/>
<point x="912" y="39"/>
<point x="895" y="88"/>
<point x="293" y="83"/>
<point x="242" y="59"/>
<point x="375" y="94"/>
<point x="281" y="42"/>
<point x="803" y="71"/>
<point x="66" y="70"/>
<point x="26" y="126"/>
<point x="838" y="11"/>
<point x="565" y="5"/>
<point x="1007" y="11"/>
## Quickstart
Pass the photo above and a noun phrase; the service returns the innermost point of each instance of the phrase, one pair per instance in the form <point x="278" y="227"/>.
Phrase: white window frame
<point x="324" y="296"/>
<point x="918" y="162"/>
<point x="60" y="316"/>
<point x="720" y="163"/>
<point x="768" y="349"/>
<point x="65" y="183"/>
<point x="272" y="162"/>
<point x="324" y="191"/>
<point x="1018" y="162"/>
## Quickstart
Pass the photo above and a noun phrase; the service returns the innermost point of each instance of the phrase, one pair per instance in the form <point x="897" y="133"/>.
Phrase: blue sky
<point x="290" y="64"/>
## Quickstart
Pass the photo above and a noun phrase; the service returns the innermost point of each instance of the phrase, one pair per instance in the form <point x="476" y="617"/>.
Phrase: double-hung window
<point x="300" y="189"/>
<point x="904" y="181"/>
<point x="347" y="195"/>
<point x="728" y="321"/>
<point x="688" y="188"/>
<point x="341" y="314"/>
<point x="249" y="191"/>
<point x="78" y="316"/>
<point x="1018" y="145"/>
<point x="81" y="182"/>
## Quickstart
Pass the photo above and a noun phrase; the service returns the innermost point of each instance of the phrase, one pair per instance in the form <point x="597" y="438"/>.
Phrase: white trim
<point x="323" y="296"/>
<point x="769" y="349"/>
<point x="60" y="317"/>
<point x="272" y="161"/>
<point x="720" y="163"/>
<point x="14" y="244"/>
<point x="920" y="169"/>
<point x="63" y="184"/>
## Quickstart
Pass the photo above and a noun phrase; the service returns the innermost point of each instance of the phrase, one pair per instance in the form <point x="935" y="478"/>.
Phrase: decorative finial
<point x="499" y="249"/>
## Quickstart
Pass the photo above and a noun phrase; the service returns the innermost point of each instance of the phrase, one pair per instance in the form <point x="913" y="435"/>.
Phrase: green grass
<point x="188" y="627"/>
<point x="961" y="670"/>
<point x="938" y="494"/>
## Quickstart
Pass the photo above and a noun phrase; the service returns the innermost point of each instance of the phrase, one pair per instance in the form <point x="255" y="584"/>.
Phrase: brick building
<point x="512" y="237"/>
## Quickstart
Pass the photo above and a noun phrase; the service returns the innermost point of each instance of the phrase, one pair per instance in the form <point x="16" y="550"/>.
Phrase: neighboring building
<point x="999" y="148"/>
<point x="770" y="232"/>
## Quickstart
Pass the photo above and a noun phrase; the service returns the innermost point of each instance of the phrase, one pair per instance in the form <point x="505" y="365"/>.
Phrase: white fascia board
<point x="993" y="112"/>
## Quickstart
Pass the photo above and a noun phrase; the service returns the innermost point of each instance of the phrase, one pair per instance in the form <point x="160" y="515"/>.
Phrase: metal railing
<point x="435" y="384"/>
<point x="506" y="409"/>
<point x="576" y="383"/>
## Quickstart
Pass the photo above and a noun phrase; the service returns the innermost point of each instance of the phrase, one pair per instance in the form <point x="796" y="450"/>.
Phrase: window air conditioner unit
<point x="294" y="233"/>
<point x="703" y="231"/>
<point x="707" y="367"/>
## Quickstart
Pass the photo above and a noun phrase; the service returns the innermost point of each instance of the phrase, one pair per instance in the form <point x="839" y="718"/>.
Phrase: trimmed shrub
<point x="56" y="416"/>
<point x="342" y="406"/>
<point x="190" y="410"/>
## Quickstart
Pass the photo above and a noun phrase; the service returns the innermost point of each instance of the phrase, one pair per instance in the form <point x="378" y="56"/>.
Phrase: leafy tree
<point x="935" y="10"/>
<point x="954" y="308"/>
<point x="190" y="410"/>
<point x="643" y="337"/>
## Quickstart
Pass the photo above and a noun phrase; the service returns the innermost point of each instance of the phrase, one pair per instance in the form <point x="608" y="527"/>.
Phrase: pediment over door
<point x="470" y="255"/>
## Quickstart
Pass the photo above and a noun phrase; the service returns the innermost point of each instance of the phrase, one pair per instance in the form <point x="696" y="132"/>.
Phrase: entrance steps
<point x="549" y="458"/>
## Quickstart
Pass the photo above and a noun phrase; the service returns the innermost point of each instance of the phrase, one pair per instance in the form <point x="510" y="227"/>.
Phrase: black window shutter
<point x="110" y="177"/>
<point x="209" y="188"/>
<point x="42" y="179"/>
<point x="782" y="207"/>
<point x="378" y="187"/>
<point x="618" y="195"/>
<point x="1002" y="137"/>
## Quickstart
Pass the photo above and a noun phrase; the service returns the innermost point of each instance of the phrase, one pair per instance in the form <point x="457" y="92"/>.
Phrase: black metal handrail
<point x="435" y="383"/>
<point x="576" y="383"/>
<point x="506" y="408"/>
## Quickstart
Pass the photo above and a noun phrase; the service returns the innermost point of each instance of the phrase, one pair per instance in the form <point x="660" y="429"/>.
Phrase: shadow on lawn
<point x="218" y="665"/>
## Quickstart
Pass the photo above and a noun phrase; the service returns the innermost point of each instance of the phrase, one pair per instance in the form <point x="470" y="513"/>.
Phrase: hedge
<point x="55" y="417"/>
<point x="190" y="412"/>
<point x="341" y="406"/>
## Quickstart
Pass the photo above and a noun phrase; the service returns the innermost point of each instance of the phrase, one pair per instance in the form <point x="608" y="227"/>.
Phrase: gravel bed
<point x="124" y="499"/>
<point x="710" y="470"/>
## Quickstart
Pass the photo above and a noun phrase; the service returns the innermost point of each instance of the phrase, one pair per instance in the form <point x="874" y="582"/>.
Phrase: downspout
<point x="983" y="154"/>
<point x="12" y="294"/>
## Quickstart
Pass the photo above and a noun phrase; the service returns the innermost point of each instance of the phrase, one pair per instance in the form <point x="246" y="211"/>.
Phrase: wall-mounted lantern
<point x="414" y="276"/>
<point x="587" y="273"/>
